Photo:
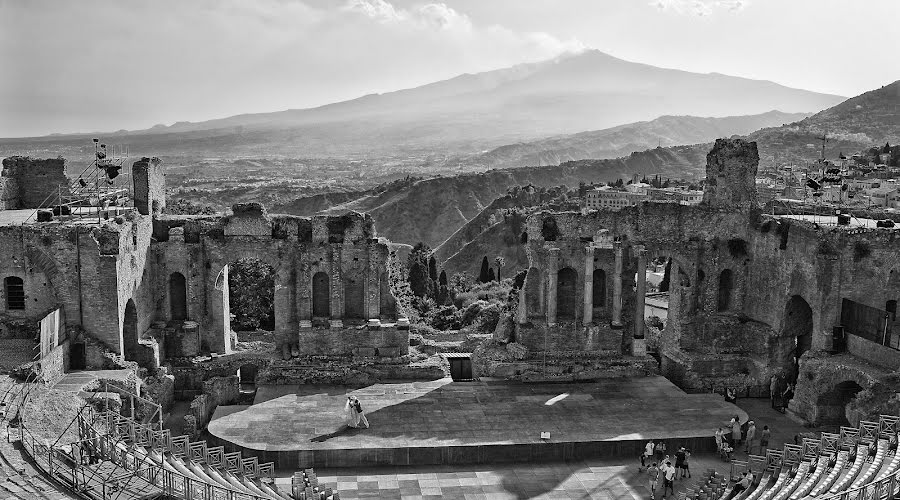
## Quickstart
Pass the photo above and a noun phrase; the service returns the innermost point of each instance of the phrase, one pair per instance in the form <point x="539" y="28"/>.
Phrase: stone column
<point x="641" y="291"/>
<point x="588" y="285"/>
<point x="552" y="265"/>
<point x="617" y="286"/>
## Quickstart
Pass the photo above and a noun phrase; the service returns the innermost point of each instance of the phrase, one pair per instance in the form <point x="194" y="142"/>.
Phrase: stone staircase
<point x="19" y="479"/>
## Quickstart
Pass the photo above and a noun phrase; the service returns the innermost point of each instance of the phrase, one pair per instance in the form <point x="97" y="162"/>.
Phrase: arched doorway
<point x="832" y="405"/>
<point x="566" y="296"/>
<point x="251" y="295"/>
<point x="599" y="289"/>
<point x="354" y="298"/>
<point x="177" y="297"/>
<point x="796" y="330"/>
<point x="726" y="285"/>
<point x="321" y="295"/>
<point x="130" y="330"/>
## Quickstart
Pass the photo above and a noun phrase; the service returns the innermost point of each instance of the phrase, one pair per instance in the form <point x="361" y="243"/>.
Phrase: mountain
<point x="858" y="123"/>
<point x="430" y="210"/>
<point x="473" y="112"/>
<point x="623" y="139"/>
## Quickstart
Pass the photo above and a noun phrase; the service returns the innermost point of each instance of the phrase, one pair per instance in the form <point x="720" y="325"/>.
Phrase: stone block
<point x="389" y="352"/>
<point x="366" y="352"/>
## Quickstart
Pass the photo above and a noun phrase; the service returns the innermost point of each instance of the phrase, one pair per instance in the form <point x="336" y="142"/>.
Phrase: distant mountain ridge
<point x="624" y="139"/>
<point x="469" y="113"/>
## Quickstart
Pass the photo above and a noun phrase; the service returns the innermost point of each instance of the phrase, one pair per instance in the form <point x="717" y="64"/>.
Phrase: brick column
<point x="617" y="286"/>
<point x="552" y="265"/>
<point x="641" y="292"/>
<point x="588" y="316"/>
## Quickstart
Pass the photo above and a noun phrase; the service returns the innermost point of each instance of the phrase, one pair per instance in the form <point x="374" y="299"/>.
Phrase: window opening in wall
<point x="726" y="284"/>
<point x="14" y="288"/>
<point x="566" y="293"/>
<point x="251" y="295"/>
<point x="321" y="295"/>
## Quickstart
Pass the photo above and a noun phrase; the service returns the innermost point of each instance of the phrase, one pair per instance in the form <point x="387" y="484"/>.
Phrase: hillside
<point x="500" y="239"/>
<point x="430" y="210"/>
<point x="469" y="113"/>
<point x="860" y="122"/>
<point x="622" y="140"/>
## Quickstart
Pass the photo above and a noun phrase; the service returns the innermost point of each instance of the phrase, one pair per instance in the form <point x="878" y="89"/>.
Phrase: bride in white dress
<point x="350" y="413"/>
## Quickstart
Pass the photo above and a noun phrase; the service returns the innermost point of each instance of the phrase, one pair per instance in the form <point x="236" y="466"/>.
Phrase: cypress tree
<point x="432" y="268"/>
<point x="664" y="284"/>
<point x="485" y="275"/>
<point x="442" y="279"/>
<point x="491" y="275"/>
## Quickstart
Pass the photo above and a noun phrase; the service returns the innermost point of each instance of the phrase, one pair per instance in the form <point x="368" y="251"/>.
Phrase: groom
<point x="356" y="415"/>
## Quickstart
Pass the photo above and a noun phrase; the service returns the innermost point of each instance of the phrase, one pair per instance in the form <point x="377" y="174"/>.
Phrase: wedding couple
<point x="354" y="414"/>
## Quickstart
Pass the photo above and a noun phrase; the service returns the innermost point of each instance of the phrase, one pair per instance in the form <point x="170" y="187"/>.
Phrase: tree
<point x="491" y="275"/>
<point x="484" y="276"/>
<point x="666" y="281"/>
<point x="886" y="148"/>
<point x="442" y="279"/>
<point x="432" y="268"/>
<point x="251" y="286"/>
<point x="418" y="278"/>
<point x="499" y="262"/>
<point x="461" y="282"/>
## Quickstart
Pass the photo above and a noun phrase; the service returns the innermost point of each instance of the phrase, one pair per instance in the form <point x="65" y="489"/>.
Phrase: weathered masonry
<point x="149" y="286"/>
<point x="751" y="295"/>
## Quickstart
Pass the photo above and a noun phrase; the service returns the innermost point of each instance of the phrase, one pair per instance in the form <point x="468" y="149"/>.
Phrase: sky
<point x="106" y="65"/>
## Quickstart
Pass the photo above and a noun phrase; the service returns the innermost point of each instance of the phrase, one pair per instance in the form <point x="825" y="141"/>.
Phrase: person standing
<point x="647" y="454"/>
<point x="735" y="432"/>
<point x="363" y="421"/>
<point x="679" y="463"/>
<point x="660" y="448"/>
<point x="751" y="435"/>
<point x="764" y="439"/>
<point x="720" y="436"/>
<point x="669" y="479"/>
<point x="653" y="472"/>
<point x="350" y="414"/>
<point x="775" y="390"/>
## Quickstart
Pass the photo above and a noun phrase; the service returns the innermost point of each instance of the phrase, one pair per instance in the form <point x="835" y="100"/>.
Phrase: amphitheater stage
<point x="445" y="422"/>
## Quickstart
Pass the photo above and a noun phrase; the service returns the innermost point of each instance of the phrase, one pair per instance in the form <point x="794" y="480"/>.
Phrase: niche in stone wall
<point x="533" y="293"/>
<point x="726" y="287"/>
<point x="321" y="295"/>
<point x="599" y="288"/>
<point x="566" y="293"/>
<point x="387" y="304"/>
<point x="549" y="229"/>
<point x="354" y="298"/>
<point x="177" y="297"/>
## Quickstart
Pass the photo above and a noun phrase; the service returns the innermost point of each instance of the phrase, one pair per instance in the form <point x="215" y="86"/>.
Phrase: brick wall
<point x="35" y="180"/>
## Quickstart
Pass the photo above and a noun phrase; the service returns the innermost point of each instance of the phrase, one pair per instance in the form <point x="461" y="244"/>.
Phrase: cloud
<point x="700" y="8"/>
<point x="170" y="60"/>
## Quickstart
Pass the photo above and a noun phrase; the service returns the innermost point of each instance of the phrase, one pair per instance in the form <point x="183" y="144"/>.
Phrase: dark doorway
<point x="321" y="295"/>
<point x="726" y="285"/>
<point x="77" y="357"/>
<point x="130" y="330"/>
<point x="247" y="375"/>
<point x="797" y="328"/>
<point x="177" y="297"/>
<point x="832" y="405"/>
<point x="461" y="369"/>
<point x="566" y="296"/>
<point x="354" y="299"/>
<point x="599" y="289"/>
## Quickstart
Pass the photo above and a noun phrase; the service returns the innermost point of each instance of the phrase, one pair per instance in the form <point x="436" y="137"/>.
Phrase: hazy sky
<point x="111" y="64"/>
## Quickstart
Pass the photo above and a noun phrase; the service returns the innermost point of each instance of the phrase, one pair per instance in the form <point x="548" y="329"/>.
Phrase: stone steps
<point x="18" y="477"/>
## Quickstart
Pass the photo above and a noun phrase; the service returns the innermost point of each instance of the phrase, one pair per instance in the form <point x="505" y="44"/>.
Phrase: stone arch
<point x="599" y="289"/>
<point x="354" y="297"/>
<point x="726" y="290"/>
<point x="533" y="293"/>
<point x="321" y="295"/>
<point x="130" y="333"/>
<point x="177" y="297"/>
<point x="566" y="293"/>
<point x="796" y="333"/>
<point x="832" y="404"/>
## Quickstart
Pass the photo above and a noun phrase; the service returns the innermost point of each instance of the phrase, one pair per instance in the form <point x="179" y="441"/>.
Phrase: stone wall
<point x="32" y="182"/>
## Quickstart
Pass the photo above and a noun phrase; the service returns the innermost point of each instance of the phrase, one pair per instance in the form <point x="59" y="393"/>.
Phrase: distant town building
<point x="607" y="197"/>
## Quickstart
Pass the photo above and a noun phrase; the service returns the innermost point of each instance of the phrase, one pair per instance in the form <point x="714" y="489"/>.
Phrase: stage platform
<point x="446" y="422"/>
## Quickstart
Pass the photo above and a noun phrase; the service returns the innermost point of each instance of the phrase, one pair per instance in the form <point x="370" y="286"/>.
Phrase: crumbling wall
<point x="32" y="182"/>
<point x="731" y="168"/>
<point x="149" y="193"/>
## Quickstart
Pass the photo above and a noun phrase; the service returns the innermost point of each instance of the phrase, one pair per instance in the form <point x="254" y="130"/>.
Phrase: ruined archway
<point x="726" y="288"/>
<point x="796" y="332"/>
<point x="130" y="330"/>
<point x="566" y="293"/>
<point x="251" y="294"/>
<point x="599" y="289"/>
<point x="321" y="295"/>
<point x="832" y="404"/>
<point x="177" y="297"/>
